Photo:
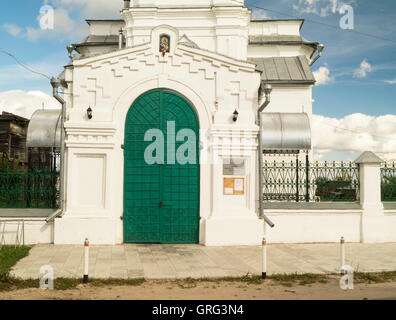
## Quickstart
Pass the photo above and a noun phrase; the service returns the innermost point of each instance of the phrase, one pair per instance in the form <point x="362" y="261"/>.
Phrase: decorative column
<point x="373" y="218"/>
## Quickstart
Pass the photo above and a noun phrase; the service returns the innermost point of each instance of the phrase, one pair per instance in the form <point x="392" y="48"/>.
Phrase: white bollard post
<point x="264" y="271"/>
<point x="342" y="255"/>
<point x="86" y="260"/>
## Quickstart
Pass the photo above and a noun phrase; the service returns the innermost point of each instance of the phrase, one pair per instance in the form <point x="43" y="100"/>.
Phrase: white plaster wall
<point x="390" y="226"/>
<point x="221" y="29"/>
<point x="184" y="3"/>
<point x="37" y="231"/>
<point x="298" y="226"/>
<point x="291" y="99"/>
<point x="280" y="27"/>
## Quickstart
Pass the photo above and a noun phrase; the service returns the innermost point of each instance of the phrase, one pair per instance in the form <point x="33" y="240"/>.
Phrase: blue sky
<point x="359" y="72"/>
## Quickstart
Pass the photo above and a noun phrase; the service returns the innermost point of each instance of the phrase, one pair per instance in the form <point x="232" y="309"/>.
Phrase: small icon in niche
<point x="164" y="44"/>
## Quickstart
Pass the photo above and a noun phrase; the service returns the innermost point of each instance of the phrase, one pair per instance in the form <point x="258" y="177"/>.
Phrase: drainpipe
<point x="120" y="38"/>
<point x="319" y="48"/>
<point x="56" y="83"/>
<point x="267" y="92"/>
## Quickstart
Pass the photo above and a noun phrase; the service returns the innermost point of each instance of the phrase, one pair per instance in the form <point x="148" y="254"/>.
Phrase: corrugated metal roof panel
<point x="106" y="39"/>
<point x="284" y="69"/>
<point x="281" y="69"/>
<point x="294" y="71"/>
<point x="285" y="131"/>
<point x="44" y="129"/>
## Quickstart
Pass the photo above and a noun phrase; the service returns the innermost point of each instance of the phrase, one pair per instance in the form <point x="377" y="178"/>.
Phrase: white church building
<point x="168" y="114"/>
<point x="161" y="117"/>
<point x="176" y="67"/>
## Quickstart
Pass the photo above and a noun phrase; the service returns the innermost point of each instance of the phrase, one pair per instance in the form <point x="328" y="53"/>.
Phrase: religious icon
<point x="164" y="44"/>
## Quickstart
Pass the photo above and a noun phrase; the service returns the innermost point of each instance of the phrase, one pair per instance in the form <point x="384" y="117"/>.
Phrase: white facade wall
<point x="223" y="30"/>
<point x="214" y="84"/>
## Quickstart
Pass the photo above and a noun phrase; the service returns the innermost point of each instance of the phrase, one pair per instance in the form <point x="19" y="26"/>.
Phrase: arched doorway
<point x="161" y="193"/>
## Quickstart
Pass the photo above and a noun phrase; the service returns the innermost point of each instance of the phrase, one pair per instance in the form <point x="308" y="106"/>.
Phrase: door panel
<point x="161" y="201"/>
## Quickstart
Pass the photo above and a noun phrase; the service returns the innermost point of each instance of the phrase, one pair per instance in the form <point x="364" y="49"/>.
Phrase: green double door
<point x="161" y="194"/>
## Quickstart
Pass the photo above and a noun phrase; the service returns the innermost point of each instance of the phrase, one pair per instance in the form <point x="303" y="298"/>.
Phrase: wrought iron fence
<point x="24" y="188"/>
<point x="388" y="182"/>
<point x="303" y="181"/>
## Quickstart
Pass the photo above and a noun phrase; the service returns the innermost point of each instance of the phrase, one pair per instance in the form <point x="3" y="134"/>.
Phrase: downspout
<point x="267" y="92"/>
<point x="120" y="39"/>
<point x="319" y="48"/>
<point x="56" y="83"/>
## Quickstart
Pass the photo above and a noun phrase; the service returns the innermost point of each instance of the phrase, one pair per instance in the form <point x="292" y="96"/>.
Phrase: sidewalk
<point x="155" y="261"/>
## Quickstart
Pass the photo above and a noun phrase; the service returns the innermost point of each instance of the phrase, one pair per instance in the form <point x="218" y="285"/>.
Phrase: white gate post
<point x="373" y="218"/>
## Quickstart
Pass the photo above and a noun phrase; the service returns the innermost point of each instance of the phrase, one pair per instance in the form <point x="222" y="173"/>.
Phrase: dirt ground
<point x="171" y="290"/>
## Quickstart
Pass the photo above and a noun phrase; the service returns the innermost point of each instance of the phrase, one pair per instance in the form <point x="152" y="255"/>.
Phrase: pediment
<point x="148" y="54"/>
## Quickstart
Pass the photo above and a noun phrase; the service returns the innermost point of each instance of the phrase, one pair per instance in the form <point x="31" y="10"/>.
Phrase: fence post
<point x="297" y="179"/>
<point x="307" y="182"/>
<point x="373" y="218"/>
<point x="342" y="242"/>
<point x="264" y="260"/>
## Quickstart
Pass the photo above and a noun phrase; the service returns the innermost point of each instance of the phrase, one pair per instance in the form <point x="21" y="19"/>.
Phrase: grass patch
<point x="287" y="281"/>
<point x="17" y="284"/>
<point x="116" y="282"/>
<point x="66" y="284"/>
<point x="248" y="278"/>
<point x="9" y="256"/>
<point x="187" y="283"/>
<point x="380" y="277"/>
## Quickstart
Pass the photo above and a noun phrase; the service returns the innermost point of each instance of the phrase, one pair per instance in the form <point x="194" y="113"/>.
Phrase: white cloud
<point x="321" y="8"/>
<point x="24" y="103"/>
<point x="390" y="81"/>
<point x="63" y="25"/>
<point x="12" y="29"/>
<point x="259" y="14"/>
<point x="355" y="133"/>
<point x="364" y="68"/>
<point x="92" y="9"/>
<point x="69" y="16"/>
<point x="322" y="76"/>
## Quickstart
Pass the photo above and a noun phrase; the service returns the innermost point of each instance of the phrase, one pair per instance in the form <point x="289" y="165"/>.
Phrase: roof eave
<point x="289" y="82"/>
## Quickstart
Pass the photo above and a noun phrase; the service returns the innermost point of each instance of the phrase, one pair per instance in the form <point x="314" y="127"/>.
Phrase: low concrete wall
<point x="390" y="225"/>
<point x="313" y="225"/>
<point x="36" y="231"/>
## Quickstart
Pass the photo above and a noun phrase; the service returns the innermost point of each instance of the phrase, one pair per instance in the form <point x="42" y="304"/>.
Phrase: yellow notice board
<point x="234" y="186"/>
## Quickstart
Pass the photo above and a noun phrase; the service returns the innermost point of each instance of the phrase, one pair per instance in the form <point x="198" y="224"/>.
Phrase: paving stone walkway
<point x="156" y="261"/>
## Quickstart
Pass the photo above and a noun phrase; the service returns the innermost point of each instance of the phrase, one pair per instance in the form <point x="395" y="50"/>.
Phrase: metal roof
<point x="286" y="70"/>
<point x="280" y="40"/>
<point x="285" y="132"/>
<point x="102" y="39"/>
<point x="368" y="157"/>
<point x="44" y="129"/>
